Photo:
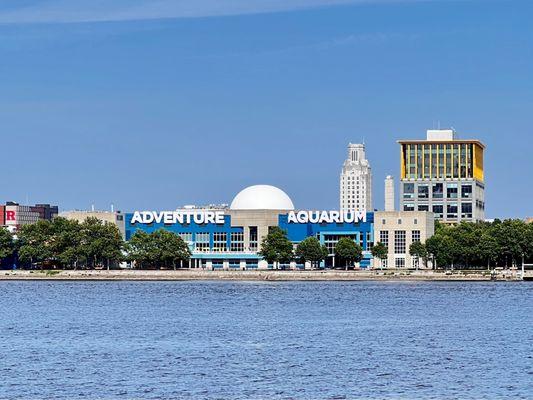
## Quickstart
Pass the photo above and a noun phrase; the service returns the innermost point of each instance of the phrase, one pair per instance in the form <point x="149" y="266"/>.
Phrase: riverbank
<point x="263" y="275"/>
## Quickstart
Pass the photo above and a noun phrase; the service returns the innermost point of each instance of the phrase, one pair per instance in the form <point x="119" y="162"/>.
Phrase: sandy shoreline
<point x="264" y="275"/>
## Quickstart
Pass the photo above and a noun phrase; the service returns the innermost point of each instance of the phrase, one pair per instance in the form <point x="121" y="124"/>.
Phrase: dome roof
<point x="262" y="197"/>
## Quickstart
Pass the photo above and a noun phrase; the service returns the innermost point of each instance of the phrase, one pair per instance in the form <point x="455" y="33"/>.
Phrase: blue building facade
<point x="234" y="242"/>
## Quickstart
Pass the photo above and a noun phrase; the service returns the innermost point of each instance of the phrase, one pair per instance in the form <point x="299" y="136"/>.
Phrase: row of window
<point x="399" y="239"/>
<point x="438" y="160"/>
<point x="436" y="191"/>
<point x="452" y="209"/>
<point x="399" y="262"/>
<point x="330" y="241"/>
<point x="220" y="241"/>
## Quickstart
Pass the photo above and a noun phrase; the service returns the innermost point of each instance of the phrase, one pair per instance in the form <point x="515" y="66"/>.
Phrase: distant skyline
<point x="157" y="104"/>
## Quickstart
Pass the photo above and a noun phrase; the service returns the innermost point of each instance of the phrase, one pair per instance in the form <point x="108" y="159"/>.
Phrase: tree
<point x="7" y="246"/>
<point x="418" y="250"/>
<point x="34" y="242"/>
<point x="312" y="251"/>
<point x="381" y="252"/>
<point x="488" y="248"/>
<point x="101" y="243"/>
<point x="66" y="242"/>
<point x="141" y="249"/>
<point x="440" y="248"/>
<point x="171" y="248"/>
<point x="276" y="247"/>
<point x="158" y="249"/>
<point x="349" y="251"/>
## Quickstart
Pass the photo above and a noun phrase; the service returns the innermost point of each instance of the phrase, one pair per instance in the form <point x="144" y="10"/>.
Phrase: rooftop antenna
<point x="112" y="208"/>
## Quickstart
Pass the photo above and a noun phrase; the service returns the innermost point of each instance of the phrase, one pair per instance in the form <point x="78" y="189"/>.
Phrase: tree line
<point x="467" y="245"/>
<point x="481" y="245"/>
<point x="277" y="249"/>
<point x="473" y="245"/>
<point x="69" y="244"/>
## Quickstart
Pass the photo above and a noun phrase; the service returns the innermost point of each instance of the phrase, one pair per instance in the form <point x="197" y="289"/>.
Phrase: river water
<point x="253" y="340"/>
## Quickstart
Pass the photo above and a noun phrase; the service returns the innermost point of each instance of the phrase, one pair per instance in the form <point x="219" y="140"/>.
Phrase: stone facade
<point x="397" y="230"/>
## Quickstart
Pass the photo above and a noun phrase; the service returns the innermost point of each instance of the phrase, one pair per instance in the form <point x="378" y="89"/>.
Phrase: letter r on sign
<point x="10" y="215"/>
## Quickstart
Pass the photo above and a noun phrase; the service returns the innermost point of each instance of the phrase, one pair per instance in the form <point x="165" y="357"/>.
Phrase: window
<point x="384" y="263"/>
<point x="384" y="238"/>
<point x="409" y="207"/>
<point x="369" y="242"/>
<point x="452" y="190"/>
<point x="415" y="262"/>
<point x="220" y="241"/>
<point x="466" y="191"/>
<point x="415" y="236"/>
<point x="451" y="210"/>
<point x="423" y="207"/>
<point x="399" y="262"/>
<point x="253" y="238"/>
<point x="438" y="210"/>
<point x="438" y="190"/>
<point x="466" y="210"/>
<point x="186" y="236"/>
<point x="237" y="241"/>
<point x="202" y="241"/>
<point x="408" y="190"/>
<point x="423" y="191"/>
<point x="399" y="242"/>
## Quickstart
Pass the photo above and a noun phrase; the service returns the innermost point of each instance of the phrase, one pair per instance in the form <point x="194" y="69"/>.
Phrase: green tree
<point x="101" y="243"/>
<point x="488" y="248"/>
<point x="381" y="252"/>
<point x="35" y="242"/>
<point x="66" y="241"/>
<point x="348" y="251"/>
<point x="171" y="248"/>
<point x="158" y="249"/>
<point x="7" y="246"/>
<point x="418" y="250"/>
<point x="276" y="248"/>
<point x="312" y="251"/>
<point x="141" y="249"/>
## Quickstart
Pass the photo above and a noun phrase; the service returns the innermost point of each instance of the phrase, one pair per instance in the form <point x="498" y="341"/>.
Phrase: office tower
<point x="444" y="175"/>
<point x="356" y="180"/>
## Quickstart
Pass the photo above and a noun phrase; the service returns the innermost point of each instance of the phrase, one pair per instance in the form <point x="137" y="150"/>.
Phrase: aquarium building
<point x="230" y="237"/>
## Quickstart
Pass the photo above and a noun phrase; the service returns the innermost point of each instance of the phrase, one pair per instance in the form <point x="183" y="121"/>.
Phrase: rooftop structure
<point x="262" y="197"/>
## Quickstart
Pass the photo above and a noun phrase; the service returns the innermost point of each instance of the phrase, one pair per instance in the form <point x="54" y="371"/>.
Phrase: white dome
<point x="262" y="197"/>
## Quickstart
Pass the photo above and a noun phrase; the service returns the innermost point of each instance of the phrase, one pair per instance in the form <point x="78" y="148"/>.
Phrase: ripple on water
<point x="275" y="340"/>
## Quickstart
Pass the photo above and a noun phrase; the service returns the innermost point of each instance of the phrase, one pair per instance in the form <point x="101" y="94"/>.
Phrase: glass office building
<point x="443" y="175"/>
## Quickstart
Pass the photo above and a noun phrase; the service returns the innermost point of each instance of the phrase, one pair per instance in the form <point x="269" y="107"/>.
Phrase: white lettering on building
<point x="173" y="217"/>
<point x="328" y="217"/>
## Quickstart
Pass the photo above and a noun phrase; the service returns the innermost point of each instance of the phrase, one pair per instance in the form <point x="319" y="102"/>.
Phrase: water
<point x="225" y="340"/>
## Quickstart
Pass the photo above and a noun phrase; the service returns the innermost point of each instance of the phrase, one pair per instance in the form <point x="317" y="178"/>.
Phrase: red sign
<point x="11" y="216"/>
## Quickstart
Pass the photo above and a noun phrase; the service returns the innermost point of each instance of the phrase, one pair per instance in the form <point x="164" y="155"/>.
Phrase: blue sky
<point x="155" y="104"/>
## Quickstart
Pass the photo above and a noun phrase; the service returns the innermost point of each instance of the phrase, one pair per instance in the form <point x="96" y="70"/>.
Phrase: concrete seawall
<point x="188" y="275"/>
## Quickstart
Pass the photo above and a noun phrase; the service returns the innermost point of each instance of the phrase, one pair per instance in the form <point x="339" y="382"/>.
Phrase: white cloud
<point x="69" y="11"/>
